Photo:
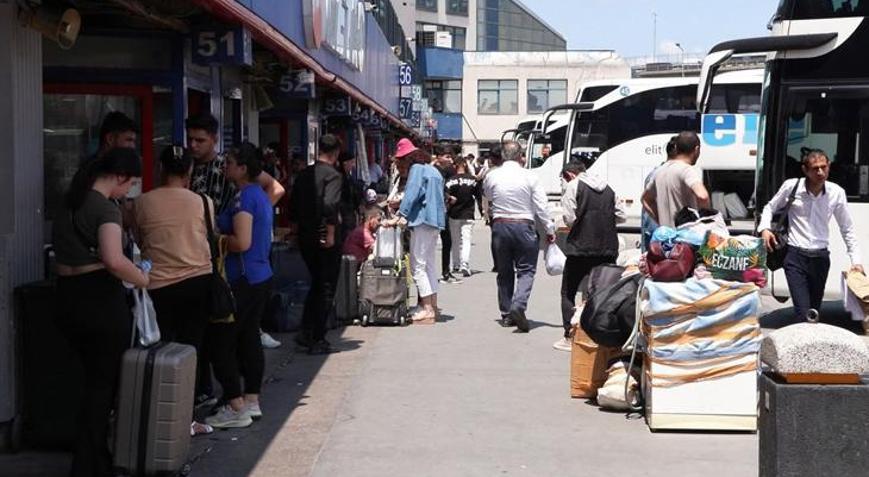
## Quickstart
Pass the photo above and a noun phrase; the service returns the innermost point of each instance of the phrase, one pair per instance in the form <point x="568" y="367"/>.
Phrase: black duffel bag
<point x="609" y="315"/>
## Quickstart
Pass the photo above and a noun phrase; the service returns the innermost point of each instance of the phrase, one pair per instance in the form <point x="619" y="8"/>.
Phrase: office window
<point x="544" y="94"/>
<point x="427" y="5"/>
<point x="498" y="97"/>
<point x="445" y="96"/>
<point x="457" y="7"/>
<point x="425" y="35"/>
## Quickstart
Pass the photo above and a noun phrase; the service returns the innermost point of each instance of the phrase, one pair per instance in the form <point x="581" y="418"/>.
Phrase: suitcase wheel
<point x="365" y="320"/>
<point x="403" y="321"/>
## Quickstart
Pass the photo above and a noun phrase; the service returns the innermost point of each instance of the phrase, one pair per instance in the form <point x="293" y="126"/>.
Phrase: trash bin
<point x="50" y="371"/>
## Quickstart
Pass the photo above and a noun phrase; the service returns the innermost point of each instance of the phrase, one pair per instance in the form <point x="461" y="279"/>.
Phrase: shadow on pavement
<point x="832" y="313"/>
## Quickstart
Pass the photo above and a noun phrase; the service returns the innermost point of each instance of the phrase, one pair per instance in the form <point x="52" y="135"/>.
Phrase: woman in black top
<point x="96" y="316"/>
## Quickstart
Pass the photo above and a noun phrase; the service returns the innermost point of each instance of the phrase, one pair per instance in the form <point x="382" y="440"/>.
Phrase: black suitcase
<point x="155" y="409"/>
<point x="383" y="295"/>
<point x="346" y="293"/>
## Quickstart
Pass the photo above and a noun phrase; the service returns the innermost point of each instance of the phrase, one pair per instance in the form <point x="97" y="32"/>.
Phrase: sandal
<point x="198" y="428"/>
<point x="423" y="318"/>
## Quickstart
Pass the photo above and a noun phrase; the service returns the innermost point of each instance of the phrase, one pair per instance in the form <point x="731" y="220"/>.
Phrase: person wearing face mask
<point x="96" y="317"/>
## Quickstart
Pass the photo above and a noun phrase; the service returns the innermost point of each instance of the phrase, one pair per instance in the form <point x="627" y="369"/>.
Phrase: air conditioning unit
<point x="426" y="39"/>
<point x="443" y="39"/>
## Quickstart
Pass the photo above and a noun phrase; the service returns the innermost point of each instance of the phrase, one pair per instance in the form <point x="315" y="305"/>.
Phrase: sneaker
<point x="563" y="344"/>
<point x="521" y="321"/>
<point x="253" y="410"/>
<point x="267" y="341"/>
<point x="204" y="400"/>
<point x="228" y="418"/>
<point x="506" y="322"/>
<point x="321" y="347"/>
<point x="466" y="273"/>
<point x="450" y="279"/>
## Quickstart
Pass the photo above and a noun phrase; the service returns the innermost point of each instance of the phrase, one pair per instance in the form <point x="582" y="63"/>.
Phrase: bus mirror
<point x="711" y="63"/>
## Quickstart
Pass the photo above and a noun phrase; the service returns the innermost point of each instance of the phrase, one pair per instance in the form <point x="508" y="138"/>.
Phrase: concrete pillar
<point x="21" y="182"/>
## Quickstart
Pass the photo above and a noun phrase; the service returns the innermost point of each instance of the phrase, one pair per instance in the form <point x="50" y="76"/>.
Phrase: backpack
<point x="609" y="315"/>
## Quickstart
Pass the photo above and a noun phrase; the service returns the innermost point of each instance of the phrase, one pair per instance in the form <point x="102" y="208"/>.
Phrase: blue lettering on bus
<point x="721" y="130"/>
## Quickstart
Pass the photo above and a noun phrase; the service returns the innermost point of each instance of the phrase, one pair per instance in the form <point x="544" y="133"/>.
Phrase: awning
<point x="268" y="36"/>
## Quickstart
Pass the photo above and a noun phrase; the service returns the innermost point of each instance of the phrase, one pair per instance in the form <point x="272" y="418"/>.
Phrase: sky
<point x="626" y="25"/>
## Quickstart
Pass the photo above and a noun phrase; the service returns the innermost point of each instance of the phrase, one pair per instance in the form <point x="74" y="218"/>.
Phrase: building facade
<point x="270" y="72"/>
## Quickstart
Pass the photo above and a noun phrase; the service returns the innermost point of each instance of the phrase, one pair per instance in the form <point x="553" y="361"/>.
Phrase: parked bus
<point x="815" y="95"/>
<point x="620" y="128"/>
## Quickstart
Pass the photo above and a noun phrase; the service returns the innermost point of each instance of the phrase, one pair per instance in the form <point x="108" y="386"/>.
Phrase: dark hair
<point x="248" y="155"/>
<point x="809" y="154"/>
<point x="495" y="158"/>
<point x="206" y="122"/>
<point x="417" y="157"/>
<point x="329" y="143"/>
<point x="686" y="142"/>
<point x="671" y="147"/>
<point x="460" y="161"/>
<point x="345" y="156"/>
<point x="443" y="149"/>
<point x="573" y="167"/>
<point x="116" y="122"/>
<point x="175" y="161"/>
<point x="121" y="161"/>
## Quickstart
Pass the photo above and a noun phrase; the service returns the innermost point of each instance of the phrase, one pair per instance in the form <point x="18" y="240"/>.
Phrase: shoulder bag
<point x="222" y="300"/>
<point x="775" y="258"/>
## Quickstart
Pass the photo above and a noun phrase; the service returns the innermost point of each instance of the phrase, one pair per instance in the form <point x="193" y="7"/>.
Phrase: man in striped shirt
<point x="208" y="169"/>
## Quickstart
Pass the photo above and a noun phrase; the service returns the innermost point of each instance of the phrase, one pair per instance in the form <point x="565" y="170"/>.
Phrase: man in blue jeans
<point x="518" y="204"/>
<point x="807" y="262"/>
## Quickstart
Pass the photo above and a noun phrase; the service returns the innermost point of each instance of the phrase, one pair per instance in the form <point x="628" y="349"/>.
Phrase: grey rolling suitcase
<point x="155" y="409"/>
<point x="346" y="294"/>
<point x="383" y="295"/>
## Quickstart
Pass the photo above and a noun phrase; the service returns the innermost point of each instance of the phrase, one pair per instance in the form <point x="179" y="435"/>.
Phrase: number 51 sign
<point x="222" y="46"/>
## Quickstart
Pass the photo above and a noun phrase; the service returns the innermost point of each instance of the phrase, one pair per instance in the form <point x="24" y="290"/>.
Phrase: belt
<point x="512" y="221"/>
<point x="811" y="252"/>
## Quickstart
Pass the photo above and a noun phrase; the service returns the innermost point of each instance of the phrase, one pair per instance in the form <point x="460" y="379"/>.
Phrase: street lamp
<point x="682" y="61"/>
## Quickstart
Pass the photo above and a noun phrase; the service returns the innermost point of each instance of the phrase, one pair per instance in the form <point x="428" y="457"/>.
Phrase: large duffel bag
<point x="610" y="314"/>
<point x="155" y="409"/>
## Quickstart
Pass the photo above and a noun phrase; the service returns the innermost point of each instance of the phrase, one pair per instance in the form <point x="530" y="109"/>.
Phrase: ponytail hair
<point x="175" y="161"/>
<point x="119" y="161"/>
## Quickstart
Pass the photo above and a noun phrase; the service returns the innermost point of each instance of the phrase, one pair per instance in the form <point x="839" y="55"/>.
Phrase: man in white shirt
<point x="518" y="200"/>
<point x="677" y="183"/>
<point x="807" y="262"/>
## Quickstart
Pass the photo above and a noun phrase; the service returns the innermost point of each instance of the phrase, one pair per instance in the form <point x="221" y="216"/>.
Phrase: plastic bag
<point x="555" y="260"/>
<point x="145" y="318"/>
<point x="611" y="396"/>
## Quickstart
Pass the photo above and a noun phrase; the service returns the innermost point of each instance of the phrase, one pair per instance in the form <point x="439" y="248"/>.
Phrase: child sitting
<point x="360" y="242"/>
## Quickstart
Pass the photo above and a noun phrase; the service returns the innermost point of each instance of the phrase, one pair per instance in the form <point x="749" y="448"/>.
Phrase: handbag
<point x="675" y="266"/>
<point x="222" y="301"/>
<point x="775" y="258"/>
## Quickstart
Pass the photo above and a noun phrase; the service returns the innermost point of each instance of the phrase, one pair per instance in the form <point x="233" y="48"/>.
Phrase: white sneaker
<point x="267" y="341"/>
<point x="228" y="418"/>
<point x="563" y="344"/>
<point x="253" y="410"/>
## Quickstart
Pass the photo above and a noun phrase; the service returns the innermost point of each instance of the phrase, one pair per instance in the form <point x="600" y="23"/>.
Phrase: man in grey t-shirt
<point x="677" y="183"/>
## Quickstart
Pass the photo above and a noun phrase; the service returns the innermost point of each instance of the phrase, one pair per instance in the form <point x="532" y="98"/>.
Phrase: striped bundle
<point x="699" y="330"/>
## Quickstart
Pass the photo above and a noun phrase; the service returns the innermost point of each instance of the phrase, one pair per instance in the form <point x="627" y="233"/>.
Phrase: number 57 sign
<point x="222" y="46"/>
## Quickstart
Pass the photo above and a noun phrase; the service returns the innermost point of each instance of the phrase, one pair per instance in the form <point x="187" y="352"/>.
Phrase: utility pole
<point x="682" y="59"/>
<point x="654" y="36"/>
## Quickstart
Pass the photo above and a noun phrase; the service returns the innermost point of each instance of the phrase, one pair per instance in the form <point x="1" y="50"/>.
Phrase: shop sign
<point x="339" y="26"/>
<point x="405" y="108"/>
<point x="362" y="115"/>
<point x="336" y="106"/>
<point x="222" y="46"/>
<point x="298" y="84"/>
<point x="415" y="119"/>
<point x="405" y="74"/>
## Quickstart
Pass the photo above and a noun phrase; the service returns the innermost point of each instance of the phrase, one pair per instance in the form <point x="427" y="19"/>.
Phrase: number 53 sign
<point x="222" y="46"/>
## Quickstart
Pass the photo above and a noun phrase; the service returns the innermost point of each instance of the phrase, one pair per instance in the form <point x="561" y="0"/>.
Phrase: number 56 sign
<point x="222" y="46"/>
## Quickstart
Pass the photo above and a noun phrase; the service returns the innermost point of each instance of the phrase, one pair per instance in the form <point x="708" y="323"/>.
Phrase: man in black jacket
<point x="591" y="210"/>
<point x="315" y="210"/>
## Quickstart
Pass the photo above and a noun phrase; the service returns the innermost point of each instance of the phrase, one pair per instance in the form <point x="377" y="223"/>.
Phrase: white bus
<point x="620" y="128"/>
<point x="815" y="95"/>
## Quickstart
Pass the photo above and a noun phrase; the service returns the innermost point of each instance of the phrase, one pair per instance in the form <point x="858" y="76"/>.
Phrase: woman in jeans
<point x="423" y="211"/>
<point x="96" y="316"/>
<point x="170" y="221"/>
<point x="235" y="347"/>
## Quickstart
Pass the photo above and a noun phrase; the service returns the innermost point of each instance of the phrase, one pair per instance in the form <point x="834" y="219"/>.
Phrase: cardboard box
<point x="588" y="365"/>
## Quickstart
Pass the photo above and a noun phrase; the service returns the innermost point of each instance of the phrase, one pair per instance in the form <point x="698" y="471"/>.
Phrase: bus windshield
<point x="814" y="9"/>
<point x="835" y="120"/>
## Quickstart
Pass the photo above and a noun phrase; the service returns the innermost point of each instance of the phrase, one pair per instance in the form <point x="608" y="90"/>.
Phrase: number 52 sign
<point x="222" y="46"/>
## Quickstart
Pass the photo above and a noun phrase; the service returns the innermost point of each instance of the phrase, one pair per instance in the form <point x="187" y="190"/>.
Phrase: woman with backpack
<point x="91" y="265"/>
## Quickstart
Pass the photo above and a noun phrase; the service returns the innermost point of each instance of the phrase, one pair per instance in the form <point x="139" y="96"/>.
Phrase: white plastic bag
<point x="611" y="396"/>
<point x="146" y="318"/>
<point x="555" y="260"/>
